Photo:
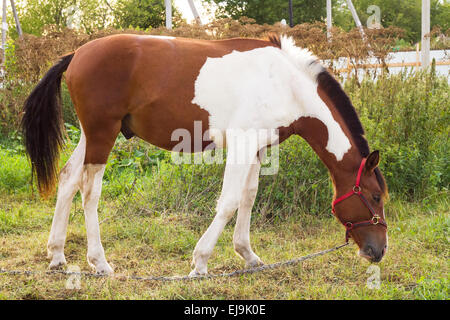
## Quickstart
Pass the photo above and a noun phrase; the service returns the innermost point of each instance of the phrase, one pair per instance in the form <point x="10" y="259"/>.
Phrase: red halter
<point x="375" y="220"/>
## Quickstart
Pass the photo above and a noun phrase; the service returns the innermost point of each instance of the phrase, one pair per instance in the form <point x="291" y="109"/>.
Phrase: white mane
<point x="304" y="59"/>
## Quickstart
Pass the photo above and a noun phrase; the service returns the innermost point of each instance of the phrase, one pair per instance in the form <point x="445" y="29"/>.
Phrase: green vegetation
<point x="38" y="15"/>
<point x="405" y="14"/>
<point x="270" y="12"/>
<point x="89" y="16"/>
<point x="415" y="267"/>
<point x="400" y="13"/>
<point x="142" y="14"/>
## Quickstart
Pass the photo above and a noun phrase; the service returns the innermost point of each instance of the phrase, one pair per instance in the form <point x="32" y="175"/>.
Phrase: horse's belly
<point x="172" y="128"/>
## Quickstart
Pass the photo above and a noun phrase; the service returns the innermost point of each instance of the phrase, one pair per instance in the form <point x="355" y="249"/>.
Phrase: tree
<point x="270" y="11"/>
<point x="87" y="15"/>
<point x="142" y="14"/>
<point x="405" y="14"/>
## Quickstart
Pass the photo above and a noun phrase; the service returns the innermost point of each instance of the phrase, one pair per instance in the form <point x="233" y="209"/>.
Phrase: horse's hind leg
<point x="90" y="191"/>
<point x="100" y="138"/>
<point x="69" y="183"/>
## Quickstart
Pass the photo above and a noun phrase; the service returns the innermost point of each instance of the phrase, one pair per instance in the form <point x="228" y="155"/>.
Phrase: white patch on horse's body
<point x="265" y="88"/>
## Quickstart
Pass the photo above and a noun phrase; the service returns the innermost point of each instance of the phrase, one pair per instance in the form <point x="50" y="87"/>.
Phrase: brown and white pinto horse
<point x="150" y="86"/>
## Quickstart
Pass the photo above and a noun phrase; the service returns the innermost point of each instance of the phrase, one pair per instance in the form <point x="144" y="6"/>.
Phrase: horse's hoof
<point x="195" y="273"/>
<point x="254" y="264"/>
<point x="57" y="264"/>
<point x="104" y="269"/>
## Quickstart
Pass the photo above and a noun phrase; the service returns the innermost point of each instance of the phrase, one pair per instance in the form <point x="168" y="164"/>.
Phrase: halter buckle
<point x="376" y="219"/>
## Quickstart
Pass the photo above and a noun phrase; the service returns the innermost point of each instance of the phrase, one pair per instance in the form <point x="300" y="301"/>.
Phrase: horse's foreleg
<point x="241" y="237"/>
<point x="69" y="182"/>
<point x="234" y="181"/>
<point x="233" y="185"/>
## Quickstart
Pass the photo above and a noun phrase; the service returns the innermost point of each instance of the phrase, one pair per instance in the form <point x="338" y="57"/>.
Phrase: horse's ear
<point x="372" y="161"/>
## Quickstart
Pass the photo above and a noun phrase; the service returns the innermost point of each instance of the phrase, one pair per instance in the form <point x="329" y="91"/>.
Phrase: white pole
<point x="168" y="14"/>
<point x="356" y="18"/>
<point x="425" y="33"/>
<point x="195" y="12"/>
<point x="329" y="21"/>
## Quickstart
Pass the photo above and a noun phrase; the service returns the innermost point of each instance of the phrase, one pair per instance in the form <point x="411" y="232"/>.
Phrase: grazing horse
<point x="150" y="86"/>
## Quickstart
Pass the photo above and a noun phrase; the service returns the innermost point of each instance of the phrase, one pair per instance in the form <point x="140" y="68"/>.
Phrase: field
<point x="416" y="265"/>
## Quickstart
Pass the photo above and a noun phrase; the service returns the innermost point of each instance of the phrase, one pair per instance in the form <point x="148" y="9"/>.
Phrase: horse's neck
<point x="316" y="135"/>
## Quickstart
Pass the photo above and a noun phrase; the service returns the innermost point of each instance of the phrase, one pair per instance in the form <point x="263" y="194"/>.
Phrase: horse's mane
<point x="334" y="90"/>
<point x="345" y="108"/>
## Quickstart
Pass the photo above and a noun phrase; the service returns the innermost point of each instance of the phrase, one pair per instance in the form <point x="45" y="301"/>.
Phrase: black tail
<point x="42" y="126"/>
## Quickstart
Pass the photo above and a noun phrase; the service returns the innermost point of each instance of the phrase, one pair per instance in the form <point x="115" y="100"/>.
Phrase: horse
<point x="150" y="86"/>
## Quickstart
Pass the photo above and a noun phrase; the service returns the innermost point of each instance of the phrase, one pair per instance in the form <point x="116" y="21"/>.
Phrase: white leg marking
<point x="234" y="181"/>
<point x="91" y="187"/>
<point x="69" y="183"/>
<point x="241" y="238"/>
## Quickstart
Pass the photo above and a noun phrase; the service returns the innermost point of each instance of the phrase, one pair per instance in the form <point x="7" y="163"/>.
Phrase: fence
<point x="401" y="60"/>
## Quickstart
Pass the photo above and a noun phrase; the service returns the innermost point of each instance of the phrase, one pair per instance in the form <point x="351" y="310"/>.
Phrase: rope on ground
<point x="176" y="278"/>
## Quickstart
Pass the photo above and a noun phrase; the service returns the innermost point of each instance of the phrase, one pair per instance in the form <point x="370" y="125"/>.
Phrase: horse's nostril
<point x="375" y="256"/>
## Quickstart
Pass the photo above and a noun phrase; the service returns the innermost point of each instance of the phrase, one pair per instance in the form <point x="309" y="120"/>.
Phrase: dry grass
<point x="34" y="55"/>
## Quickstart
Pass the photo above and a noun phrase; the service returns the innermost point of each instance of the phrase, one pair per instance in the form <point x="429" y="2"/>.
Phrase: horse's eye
<point x="376" y="197"/>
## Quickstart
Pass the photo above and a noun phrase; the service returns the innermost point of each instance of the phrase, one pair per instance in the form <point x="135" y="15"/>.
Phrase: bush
<point x="406" y="117"/>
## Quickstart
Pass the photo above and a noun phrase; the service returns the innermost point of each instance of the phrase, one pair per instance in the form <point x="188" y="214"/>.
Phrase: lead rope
<point x="176" y="278"/>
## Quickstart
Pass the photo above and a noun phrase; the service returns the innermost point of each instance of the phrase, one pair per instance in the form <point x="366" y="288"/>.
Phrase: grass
<point x="416" y="265"/>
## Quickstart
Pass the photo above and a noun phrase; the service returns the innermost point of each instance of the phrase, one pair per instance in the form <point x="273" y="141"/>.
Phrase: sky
<point x="185" y="9"/>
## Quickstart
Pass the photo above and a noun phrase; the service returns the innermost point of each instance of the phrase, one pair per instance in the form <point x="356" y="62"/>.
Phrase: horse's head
<point x="359" y="206"/>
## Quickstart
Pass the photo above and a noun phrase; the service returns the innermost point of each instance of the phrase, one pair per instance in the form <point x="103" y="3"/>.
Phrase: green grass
<point x="416" y="265"/>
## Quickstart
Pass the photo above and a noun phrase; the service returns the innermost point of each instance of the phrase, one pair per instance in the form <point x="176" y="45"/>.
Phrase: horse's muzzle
<point x="373" y="253"/>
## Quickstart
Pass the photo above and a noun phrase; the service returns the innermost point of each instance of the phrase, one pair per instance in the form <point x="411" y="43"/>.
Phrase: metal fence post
<point x="425" y="33"/>
<point x="168" y="14"/>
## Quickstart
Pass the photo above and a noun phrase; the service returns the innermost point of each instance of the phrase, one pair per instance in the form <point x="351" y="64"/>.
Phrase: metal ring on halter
<point x="356" y="189"/>
<point x="349" y="225"/>
<point x="376" y="219"/>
